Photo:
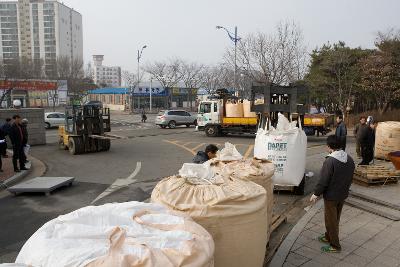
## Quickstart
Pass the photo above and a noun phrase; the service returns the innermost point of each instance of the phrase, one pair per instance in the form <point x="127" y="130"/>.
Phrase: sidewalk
<point x="366" y="239"/>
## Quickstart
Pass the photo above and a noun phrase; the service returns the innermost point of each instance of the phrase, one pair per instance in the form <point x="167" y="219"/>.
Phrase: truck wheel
<point x="299" y="190"/>
<point x="212" y="131"/>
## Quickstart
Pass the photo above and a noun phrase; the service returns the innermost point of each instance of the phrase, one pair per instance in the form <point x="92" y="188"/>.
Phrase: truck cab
<point x="212" y="119"/>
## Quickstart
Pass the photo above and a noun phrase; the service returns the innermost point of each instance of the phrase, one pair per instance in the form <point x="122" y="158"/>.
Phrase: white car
<point x="53" y="119"/>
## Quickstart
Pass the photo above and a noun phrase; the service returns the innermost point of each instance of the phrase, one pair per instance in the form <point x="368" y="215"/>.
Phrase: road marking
<point x="248" y="152"/>
<point x="120" y="183"/>
<point x="181" y="146"/>
<point x="198" y="146"/>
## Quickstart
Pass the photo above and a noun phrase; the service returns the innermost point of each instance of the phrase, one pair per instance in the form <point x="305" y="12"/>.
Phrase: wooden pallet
<point x="375" y="183"/>
<point x="375" y="175"/>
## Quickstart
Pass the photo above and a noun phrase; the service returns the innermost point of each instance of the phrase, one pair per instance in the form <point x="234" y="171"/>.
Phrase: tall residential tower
<point x="40" y="29"/>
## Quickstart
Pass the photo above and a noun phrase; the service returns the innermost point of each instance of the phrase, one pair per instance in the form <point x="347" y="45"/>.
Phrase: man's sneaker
<point x="17" y="170"/>
<point x="23" y="169"/>
<point x="330" y="249"/>
<point x="323" y="239"/>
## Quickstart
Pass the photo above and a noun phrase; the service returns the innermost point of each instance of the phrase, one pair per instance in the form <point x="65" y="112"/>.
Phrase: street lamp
<point x="139" y="56"/>
<point x="235" y="39"/>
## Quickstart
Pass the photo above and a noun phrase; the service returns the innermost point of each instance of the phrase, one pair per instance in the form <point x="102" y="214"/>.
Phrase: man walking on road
<point x="357" y="132"/>
<point x="17" y="138"/>
<point x="334" y="184"/>
<point x="341" y="131"/>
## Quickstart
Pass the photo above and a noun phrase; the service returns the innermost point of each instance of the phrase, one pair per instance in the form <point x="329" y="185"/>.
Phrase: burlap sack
<point x="255" y="170"/>
<point x="387" y="139"/>
<point x="247" y="110"/>
<point x="234" y="110"/>
<point x="122" y="235"/>
<point x="233" y="212"/>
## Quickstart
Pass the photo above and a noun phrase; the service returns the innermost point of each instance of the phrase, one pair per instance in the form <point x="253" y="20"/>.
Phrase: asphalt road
<point x="137" y="162"/>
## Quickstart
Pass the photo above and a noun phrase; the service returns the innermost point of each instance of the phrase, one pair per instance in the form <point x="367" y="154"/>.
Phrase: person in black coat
<point x="341" y="131"/>
<point x="24" y="127"/>
<point x="203" y="156"/>
<point x="6" y="127"/>
<point x="3" y="147"/>
<point x="17" y="139"/>
<point x="367" y="141"/>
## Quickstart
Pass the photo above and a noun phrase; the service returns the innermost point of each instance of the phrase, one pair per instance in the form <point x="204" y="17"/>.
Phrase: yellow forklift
<point x="85" y="129"/>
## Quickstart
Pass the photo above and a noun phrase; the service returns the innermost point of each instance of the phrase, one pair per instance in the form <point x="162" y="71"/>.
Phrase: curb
<point x="284" y="249"/>
<point x="16" y="177"/>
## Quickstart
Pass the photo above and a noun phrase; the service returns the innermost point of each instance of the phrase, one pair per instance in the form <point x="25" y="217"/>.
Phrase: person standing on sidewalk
<point x="334" y="184"/>
<point x="341" y="131"/>
<point x="357" y="132"/>
<point x="367" y="140"/>
<point x="16" y="136"/>
<point x="3" y="147"/>
<point x="24" y="127"/>
<point x="144" y="117"/>
<point x="6" y="127"/>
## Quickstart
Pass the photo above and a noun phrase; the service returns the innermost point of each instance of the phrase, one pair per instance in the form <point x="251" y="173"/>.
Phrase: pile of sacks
<point x="212" y="214"/>
<point x="231" y="198"/>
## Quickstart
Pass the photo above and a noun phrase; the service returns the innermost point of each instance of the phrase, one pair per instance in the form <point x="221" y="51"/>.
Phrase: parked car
<point x="53" y="119"/>
<point x="173" y="118"/>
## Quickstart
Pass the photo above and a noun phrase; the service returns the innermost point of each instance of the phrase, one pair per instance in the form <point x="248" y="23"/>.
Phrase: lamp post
<point x="235" y="39"/>
<point x="151" y="81"/>
<point x="139" y="56"/>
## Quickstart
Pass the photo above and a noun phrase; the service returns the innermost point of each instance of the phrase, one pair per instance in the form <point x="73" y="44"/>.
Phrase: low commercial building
<point x="160" y="97"/>
<point x="33" y="93"/>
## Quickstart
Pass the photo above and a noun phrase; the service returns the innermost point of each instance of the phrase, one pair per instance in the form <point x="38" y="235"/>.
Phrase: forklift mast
<point x="270" y="99"/>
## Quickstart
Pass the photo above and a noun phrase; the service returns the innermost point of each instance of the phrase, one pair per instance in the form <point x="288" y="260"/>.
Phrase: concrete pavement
<point x="366" y="239"/>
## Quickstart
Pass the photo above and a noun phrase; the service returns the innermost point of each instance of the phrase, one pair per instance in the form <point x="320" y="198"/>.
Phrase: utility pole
<point x="139" y="56"/>
<point x="235" y="39"/>
<point x="151" y="81"/>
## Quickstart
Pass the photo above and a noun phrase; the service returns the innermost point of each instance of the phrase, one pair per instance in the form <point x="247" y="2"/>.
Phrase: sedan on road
<point x="53" y="119"/>
<point x="173" y="118"/>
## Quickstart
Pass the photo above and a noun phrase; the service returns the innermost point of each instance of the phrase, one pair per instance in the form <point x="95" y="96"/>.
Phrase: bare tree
<point x="191" y="77"/>
<point x="129" y="78"/>
<point x="168" y="73"/>
<point x="211" y="77"/>
<point x="72" y="71"/>
<point x="279" y="58"/>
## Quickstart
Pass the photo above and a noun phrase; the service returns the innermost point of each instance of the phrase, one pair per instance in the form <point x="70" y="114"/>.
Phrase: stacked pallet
<point x="375" y="175"/>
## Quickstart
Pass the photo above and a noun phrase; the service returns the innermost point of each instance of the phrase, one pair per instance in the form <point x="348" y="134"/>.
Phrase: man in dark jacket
<point x="3" y="147"/>
<point x="357" y="132"/>
<point x="203" y="156"/>
<point x="24" y="127"/>
<point x="367" y="141"/>
<point x="334" y="183"/>
<point x="341" y="131"/>
<point x="6" y="127"/>
<point x="17" y="138"/>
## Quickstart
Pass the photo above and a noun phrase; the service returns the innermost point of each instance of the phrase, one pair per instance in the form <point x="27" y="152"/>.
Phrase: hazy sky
<point x="186" y="28"/>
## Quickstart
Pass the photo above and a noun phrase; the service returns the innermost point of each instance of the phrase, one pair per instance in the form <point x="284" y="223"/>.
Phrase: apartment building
<point x="105" y="76"/>
<point x="40" y="29"/>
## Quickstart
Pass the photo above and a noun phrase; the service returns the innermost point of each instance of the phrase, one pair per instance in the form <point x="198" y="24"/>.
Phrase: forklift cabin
<point x="85" y="129"/>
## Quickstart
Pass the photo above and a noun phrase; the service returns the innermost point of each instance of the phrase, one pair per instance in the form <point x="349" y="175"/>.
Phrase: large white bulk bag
<point x="232" y="211"/>
<point x="286" y="147"/>
<point x="119" y="234"/>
